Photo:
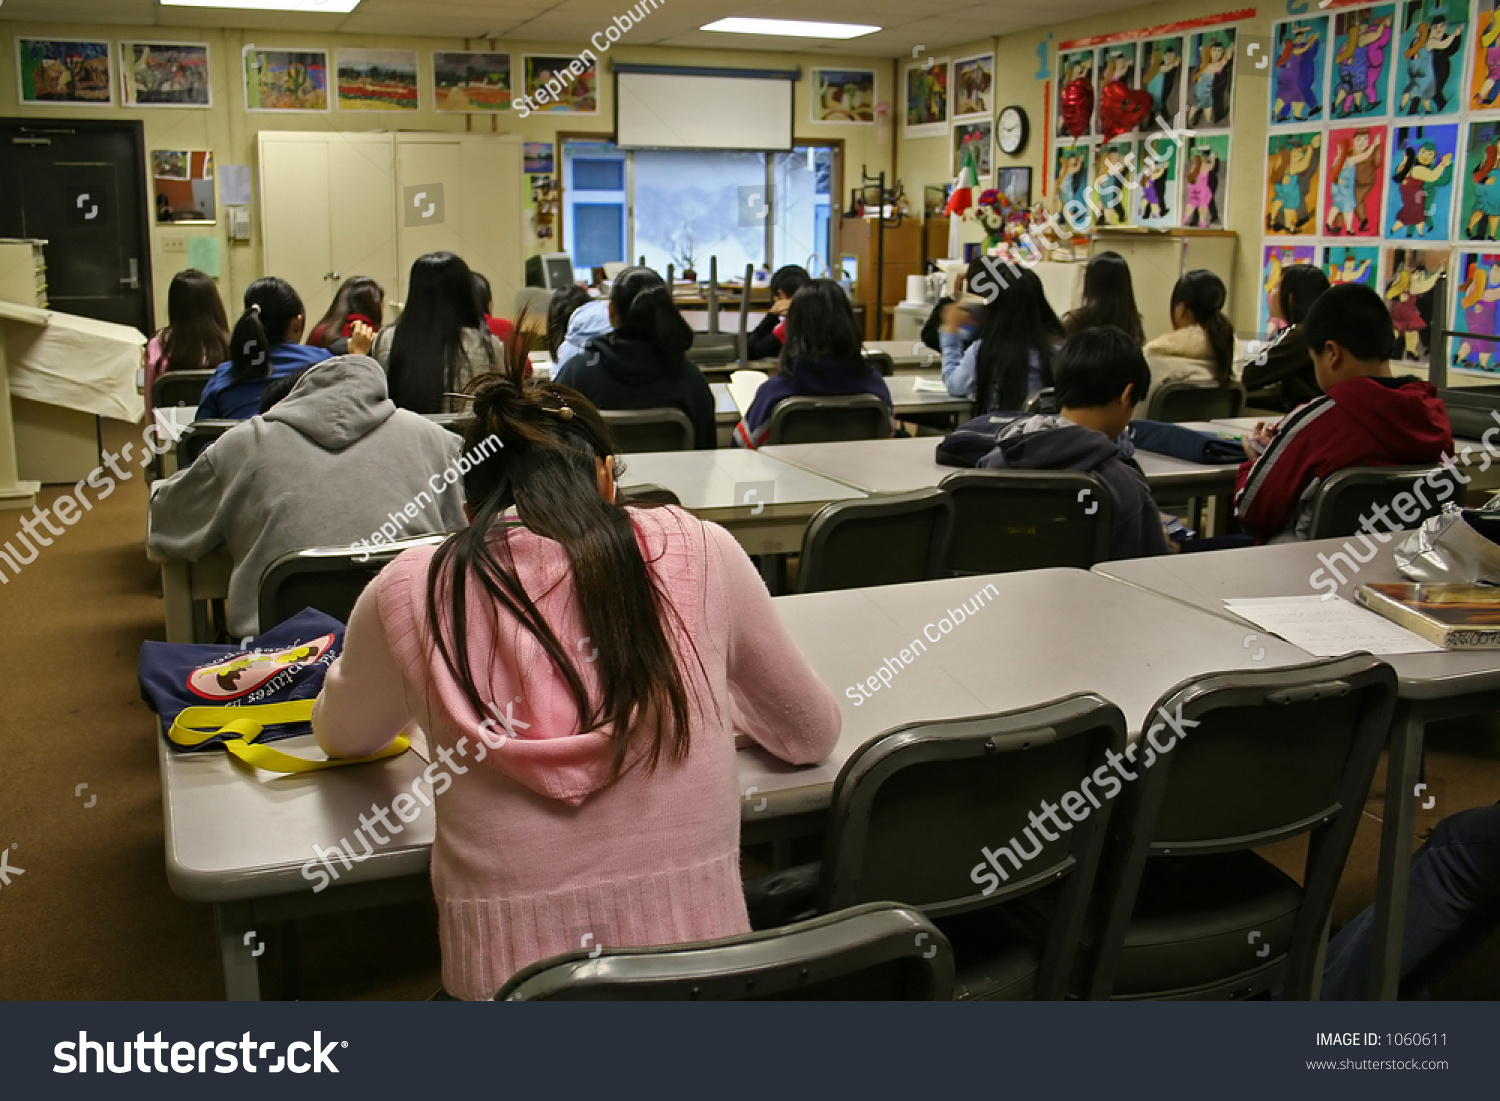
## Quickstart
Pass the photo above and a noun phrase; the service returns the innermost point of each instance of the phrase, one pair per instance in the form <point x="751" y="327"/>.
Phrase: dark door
<point x="79" y="186"/>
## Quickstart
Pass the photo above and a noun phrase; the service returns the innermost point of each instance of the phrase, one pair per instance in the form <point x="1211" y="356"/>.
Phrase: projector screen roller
<point x="662" y="111"/>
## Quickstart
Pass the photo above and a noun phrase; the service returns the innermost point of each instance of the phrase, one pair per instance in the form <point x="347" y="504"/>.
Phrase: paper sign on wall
<point x="203" y="254"/>
<point x="234" y="184"/>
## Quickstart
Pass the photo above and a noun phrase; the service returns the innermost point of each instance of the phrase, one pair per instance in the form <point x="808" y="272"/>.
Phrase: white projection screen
<point x="680" y="111"/>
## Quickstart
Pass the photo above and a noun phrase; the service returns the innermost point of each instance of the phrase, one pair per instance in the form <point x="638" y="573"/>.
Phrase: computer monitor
<point x="551" y="270"/>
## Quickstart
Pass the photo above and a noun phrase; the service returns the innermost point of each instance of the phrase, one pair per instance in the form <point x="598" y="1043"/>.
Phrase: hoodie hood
<point x="631" y="362"/>
<point x="337" y="402"/>
<point x="1402" y="417"/>
<point x="588" y="321"/>
<point x="1051" y="442"/>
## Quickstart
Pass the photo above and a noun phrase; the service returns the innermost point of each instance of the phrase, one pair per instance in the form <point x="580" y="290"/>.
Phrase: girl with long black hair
<point x="262" y="346"/>
<point x="1200" y="347"/>
<point x="1108" y="299"/>
<point x="1011" y="356"/>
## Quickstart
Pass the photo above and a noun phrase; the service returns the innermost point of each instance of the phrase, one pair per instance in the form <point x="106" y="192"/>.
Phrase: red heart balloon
<point x="1077" y="103"/>
<point x="1122" y="109"/>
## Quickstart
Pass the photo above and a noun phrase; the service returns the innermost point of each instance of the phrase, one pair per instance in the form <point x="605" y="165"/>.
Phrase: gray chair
<point x="329" y="579"/>
<point x="880" y="952"/>
<point x="457" y="423"/>
<point x="197" y="437"/>
<point x="1348" y="496"/>
<point x="875" y="541"/>
<point x="1185" y="909"/>
<point x="178" y="388"/>
<point x="882" y="362"/>
<point x="1196" y="401"/>
<point x="1007" y="520"/>
<point x="827" y="419"/>
<point x="648" y="491"/>
<point x="1043" y="401"/>
<point x="663" y="429"/>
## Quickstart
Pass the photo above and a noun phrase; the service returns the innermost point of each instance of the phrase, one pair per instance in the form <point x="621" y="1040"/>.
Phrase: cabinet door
<point x="362" y="211"/>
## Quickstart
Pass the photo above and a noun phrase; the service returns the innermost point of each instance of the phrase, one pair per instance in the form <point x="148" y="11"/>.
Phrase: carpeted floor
<point x="91" y="916"/>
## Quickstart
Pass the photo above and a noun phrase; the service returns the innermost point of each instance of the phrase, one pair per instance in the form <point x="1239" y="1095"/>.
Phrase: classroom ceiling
<point x="907" y="24"/>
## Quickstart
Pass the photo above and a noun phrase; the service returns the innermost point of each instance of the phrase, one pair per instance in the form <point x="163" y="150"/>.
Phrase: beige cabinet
<point x="1158" y="258"/>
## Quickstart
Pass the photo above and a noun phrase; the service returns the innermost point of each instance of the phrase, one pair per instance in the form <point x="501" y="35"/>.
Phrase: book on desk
<point x="1455" y="616"/>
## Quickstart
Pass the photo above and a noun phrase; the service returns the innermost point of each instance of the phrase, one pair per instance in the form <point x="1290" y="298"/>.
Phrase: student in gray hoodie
<point x="328" y="465"/>
<point x="1099" y="376"/>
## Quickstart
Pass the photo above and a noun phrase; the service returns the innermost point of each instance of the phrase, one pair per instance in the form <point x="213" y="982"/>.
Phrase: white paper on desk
<point x="1328" y="628"/>
<point x="929" y="386"/>
<point x="742" y="387"/>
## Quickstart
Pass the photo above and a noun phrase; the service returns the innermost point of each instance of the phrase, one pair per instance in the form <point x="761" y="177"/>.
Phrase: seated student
<point x="1285" y="368"/>
<point x="822" y="357"/>
<point x="1200" y="347"/>
<point x="1108" y="298"/>
<point x="587" y="320"/>
<point x="1011" y="356"/>
<point x="359" y="299"/>
<point x="499" y="327"/>
<point x="564" y="304"/>
<point x="1364" y="418"/>
<point x="763" y="343"/>
<point x="327" y="466"/>
<point x="440" y="341"/>
<point x="611" y="778"/>
<point x="197" y="334"/>
<point x="263" y="346"/>
<point x="642" y="363"/>
<point x="932" y="331"/>
<point x="1099" y="373"/>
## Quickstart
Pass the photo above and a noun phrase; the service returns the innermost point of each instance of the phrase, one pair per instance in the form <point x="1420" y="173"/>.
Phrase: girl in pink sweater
<point x="582" y="668"/>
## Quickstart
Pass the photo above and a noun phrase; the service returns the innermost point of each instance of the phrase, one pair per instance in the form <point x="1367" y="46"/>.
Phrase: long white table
<point x="238" y="838"/>
<point x="1433" y="686"/>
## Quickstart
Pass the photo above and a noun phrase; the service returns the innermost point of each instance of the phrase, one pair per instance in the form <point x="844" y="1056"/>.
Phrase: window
<point x="593" y="214"/>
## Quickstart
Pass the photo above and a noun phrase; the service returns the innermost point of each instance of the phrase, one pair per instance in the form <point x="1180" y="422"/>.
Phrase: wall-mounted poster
<point x="1476" y="306"/>
<point x="472" y="82"/>
<point x="1161" y="75"/>
<point x="974" y="139"/>
<point x="1484" y="83"/>
<point x="1352" y="264"/>
<point x="1294" y="165"/>
<point x="1421" y="203"/>
<point x="1432" y="43"/>
<point x="1070" y="175"/>
<point x="1114" y="165"/>
<point x="1356" y="181"/>
<point x="1480" y="219"/>
<point x="537" y="158"/>
<point x="166" y="74"/>
<point x="1077" y="94"/>
<point x="63" y="71"/>
<point x="974" y="87"/>
<point x="1362" y="61"/>
<point x="1015" y="185"/>
<point x="843" y="95"/>
<point x="554" y="86"/>
<point x="1156" y="201"/>
<point x="1205" y="181"/>
<point x="377" y="80"/>
<point x="1275" y="260"/>
<point x="927" y="99"/>
<point x="286" y="80"/>
<point x="1297" y="76"/>
<point x="1210" y="92"/>
<point x="1408" y="277"/>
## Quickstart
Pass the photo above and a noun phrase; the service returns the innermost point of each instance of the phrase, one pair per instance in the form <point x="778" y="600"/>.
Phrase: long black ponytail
<point x="644" y="311"/>
<point x="1203" y="294"/>
<point x="271" y="305"/>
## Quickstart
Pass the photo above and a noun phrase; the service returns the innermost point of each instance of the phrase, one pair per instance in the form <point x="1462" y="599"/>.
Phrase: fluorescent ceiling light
<point x="794" y="28"/>
<point x="329" y="6"/>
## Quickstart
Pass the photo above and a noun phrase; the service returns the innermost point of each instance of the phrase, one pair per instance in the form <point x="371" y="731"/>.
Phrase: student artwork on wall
<point x="166" y="74"/>
<point x="1070" y="177"/>
<point x="1114" y="164"/>
<point x="1484" y="38"/>
<point x="1363" y="57"/>
<point x="1076" y="94"/>
<point x="1301" y="49"/>
<point x="62" y="71"/>
<point x="1015" y="185"/>
<point x="1480" y="217"/>
<point x="1275" y="260"/>
<point x="927" y="99"/>
<point x="1422" y="162"/>
<point x="1210" y="79"/>
<point x="1408" y="277"/>
<point x="286" y="80"/>
<point x="974" y="139"/>
<point x="1205" y="181"/>
<point x="1476" y="309"/>
<point x="474" y="83"/>
<point x="1156" y="199"/>
<point x="1352" y="264"/>
<point x="1161" y="76"/>
<point x="537" y="158"/>
<point x="578" y="95"/>
<point x="377" y="80"/>
<point x="1355" y="181"/>
<point x="974" y="87"/>
<point x="1293" y="179"/>
<point x="1432" y="57"/>
<point x="843" y="95"/>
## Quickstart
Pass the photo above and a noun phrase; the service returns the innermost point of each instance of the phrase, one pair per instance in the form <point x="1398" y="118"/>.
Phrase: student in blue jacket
<point x="822" y="357"/>
<point x="264" y="345"/>
<point x="1011" y="356"/>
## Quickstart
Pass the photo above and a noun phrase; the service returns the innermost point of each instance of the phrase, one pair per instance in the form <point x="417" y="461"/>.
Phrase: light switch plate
<point x="174" y="244"/>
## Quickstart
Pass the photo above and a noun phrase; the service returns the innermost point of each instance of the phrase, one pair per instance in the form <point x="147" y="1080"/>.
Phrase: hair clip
<point x="563" y="411"/>
<point x="255" y="308"/>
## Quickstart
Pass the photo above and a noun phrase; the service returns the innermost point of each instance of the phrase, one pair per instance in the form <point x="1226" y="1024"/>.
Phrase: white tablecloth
<point x="75" y="362"/>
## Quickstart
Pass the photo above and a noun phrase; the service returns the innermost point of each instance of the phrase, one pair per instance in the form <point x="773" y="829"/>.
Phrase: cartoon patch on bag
<point x="244" y="673"/>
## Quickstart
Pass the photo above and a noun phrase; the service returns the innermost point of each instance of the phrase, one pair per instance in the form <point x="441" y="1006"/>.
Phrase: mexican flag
<point x="962" y="196"/>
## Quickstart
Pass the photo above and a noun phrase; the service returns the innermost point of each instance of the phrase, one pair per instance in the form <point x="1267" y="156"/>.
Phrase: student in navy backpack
<point x="821" y="358"/>
<point x="263" y="346"/>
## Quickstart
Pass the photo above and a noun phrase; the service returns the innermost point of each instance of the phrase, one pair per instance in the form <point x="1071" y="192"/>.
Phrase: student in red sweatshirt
<point x="1364" y="418"/>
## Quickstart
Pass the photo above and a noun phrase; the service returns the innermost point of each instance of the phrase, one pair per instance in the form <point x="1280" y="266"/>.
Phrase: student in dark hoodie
<point x="763" y="341"/>
<point x="643" y="363"/>
<point x="1364" y="418"/>
<point x="1099" y="376"/>
<point x="822" y="357"/>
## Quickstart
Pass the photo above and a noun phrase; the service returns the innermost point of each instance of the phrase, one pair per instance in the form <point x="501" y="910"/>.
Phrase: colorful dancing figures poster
<point x="1421" y="203"/>
<point x="1409" y="278"/>
<point x="1351" y="264"/>
<point x="1293" y="167"/>
<point x="1161" y="75"/>
<point x="1476" y="304"/>
<point x="1206" y="182"/>
<point x="1297" y="79"/>
<point x="1432" y="42"/>
<point x="1156" y="197"/>
<point x="1211" y="80"/>
<point x="1362" y="61"/>
<point x="1356" y="182"/>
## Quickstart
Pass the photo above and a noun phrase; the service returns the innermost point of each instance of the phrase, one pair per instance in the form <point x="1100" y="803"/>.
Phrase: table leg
<point x="1395" y="851"/>
<point x="238" y="940"/>
<point x="177" y="598"/>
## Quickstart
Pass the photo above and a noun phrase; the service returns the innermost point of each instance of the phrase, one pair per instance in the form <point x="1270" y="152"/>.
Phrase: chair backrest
<point x="875" y="541"/>
<point x="880" y="952"/>
<point x="1007" y="520"/>
<point x="457" y="423"/>
<point x="826" y="419"/>
<point x="197" y="436"/>
<point x="882" y="362"/>
<point x="1236" y="761"/>
<point x="742" y="340"/>
<point x="329" y="579"/>
<point x="1348" y="496"/>
<point x="936" y="814"/>
<point x="658" y="429"/>
<point x="649" y="491"/>
<point x="178" y="388"/>
<point x="1196" y="401"/>
<point x="1043" y="401"/>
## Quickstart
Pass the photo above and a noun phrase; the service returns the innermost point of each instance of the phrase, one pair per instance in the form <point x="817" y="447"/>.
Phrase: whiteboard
<point x="671" y="111"/>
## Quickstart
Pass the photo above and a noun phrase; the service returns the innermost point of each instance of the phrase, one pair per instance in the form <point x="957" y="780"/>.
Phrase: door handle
<point x="331" y="275"/>
<point x="133" y="280"/>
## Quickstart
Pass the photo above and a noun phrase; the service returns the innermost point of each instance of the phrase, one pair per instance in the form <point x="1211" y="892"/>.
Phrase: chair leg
<point x="1395" y="852"/>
